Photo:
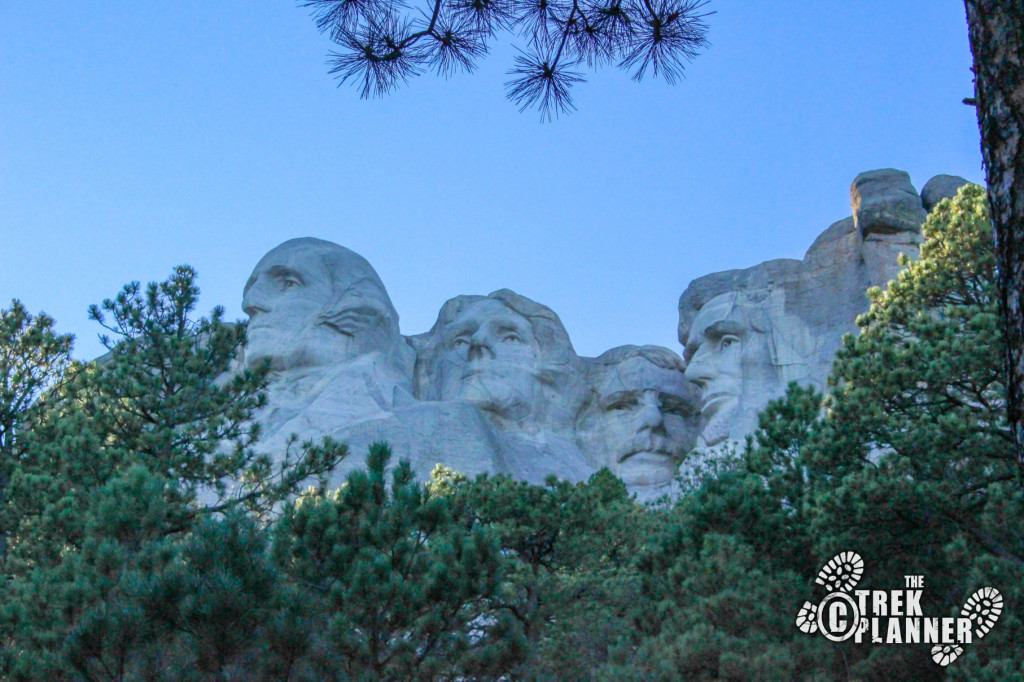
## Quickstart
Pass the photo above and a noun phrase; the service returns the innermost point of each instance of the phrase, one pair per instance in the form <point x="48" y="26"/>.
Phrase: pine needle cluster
<point x="382" y="43"/>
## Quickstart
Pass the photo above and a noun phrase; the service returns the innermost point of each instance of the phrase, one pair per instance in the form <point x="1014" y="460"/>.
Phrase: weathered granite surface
<point x="748" y="333"/>
<point x="940" y="187"/>
<point x="495" y="385"/>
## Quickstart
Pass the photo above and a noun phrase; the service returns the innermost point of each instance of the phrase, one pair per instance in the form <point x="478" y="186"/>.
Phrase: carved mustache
<point x="649" y="443"/>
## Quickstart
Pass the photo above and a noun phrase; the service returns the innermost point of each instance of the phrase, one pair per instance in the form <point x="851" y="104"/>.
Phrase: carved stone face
<point x="313" y="303"/>
<point x="716" y="366"/>
<point x="639" y="422"/>
<point x="489" y="357"/>
<point x="742" y="350"/>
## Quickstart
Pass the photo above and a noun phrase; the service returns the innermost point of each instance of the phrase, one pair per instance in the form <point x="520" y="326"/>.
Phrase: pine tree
<point x="122" y="463"/>
<point x="914" y="463"/>
<point x="397" y="590"/>
<point x="909" y="462"/>
<point x="33" y="359"/>
<point x="573" y="550"/>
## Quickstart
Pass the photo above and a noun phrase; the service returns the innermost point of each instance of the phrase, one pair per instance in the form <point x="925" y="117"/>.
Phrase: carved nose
<point x="699" y="371"/>
<point x="253" y="303"/>
<point x="650" y="414"/>
<point x="479" y="346"/>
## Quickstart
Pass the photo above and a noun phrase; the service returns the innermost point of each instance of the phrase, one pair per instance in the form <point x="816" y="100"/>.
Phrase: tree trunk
<point x="997" y="44"/>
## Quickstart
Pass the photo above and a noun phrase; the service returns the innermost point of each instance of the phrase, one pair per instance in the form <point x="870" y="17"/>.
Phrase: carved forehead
<point x="640" y="374"/>
<point x="723" y="314"/>
<point x="318" y="260"/>
<point x="488" y="310"/>
<point x="552" y="339"/>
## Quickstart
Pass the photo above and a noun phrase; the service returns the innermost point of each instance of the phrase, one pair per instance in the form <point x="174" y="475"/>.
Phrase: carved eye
<point x="511" y="336"/>
<point x="289" y="283"/>
<point x="460" y="342"/>
<point x="673" y="406"/>
<point x="623" y="404"/>
<point x="728" y="340"/>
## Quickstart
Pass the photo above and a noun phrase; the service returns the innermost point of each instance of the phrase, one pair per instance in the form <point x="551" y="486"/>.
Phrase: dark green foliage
<point x="908" y="462"/>
<point x="915" y="457"/>
<point x="33" y="358"/>
<point x="122" y="463"/>
<point x="716" y="611"/>
<point x="161" y="400"/>
<point x="923" y="378"/>
<point x="721" y="584"/>
<point x="397" y="590"/>
<point x="573" y="577"/>
<point x="129" y="558"/>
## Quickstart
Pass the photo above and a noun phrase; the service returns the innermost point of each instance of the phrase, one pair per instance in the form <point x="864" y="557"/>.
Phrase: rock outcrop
<point x="495" y="385"/>
<point x="748" y="333"/>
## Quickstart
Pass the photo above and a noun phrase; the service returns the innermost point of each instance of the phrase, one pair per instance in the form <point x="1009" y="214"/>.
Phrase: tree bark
<point x="997" y="44"/>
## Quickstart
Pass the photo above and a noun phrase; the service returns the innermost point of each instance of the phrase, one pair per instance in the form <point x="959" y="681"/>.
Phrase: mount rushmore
<point x="495" y="385"/>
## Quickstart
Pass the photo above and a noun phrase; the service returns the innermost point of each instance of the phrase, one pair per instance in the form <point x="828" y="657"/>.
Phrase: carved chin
<point x="303" y="347"/>
<point x="646" y="468"/>
<point x="493" y="395"/>
<point x="718" y="427"/>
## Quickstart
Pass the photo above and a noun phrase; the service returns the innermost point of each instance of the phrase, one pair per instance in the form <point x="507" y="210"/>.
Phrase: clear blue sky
<point x="135" y="136"/>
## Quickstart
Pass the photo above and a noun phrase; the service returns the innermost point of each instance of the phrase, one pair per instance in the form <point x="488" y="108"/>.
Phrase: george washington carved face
<point x="312" y="303"/>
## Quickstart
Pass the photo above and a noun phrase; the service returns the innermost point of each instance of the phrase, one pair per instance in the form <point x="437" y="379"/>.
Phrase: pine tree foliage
<point x="130" y="556"/>
<point x="398" y="590"/>
<point x="174" y="408"/>
<point x="907" y="462"/>
<point x="163" y="399"/>
<point x="34" y="358"/>
<point x="924" y="375"/>
<point x="573" y="551"/>
<point x="122" y="460"/>
<point x="920" y="394"/>
<point x="384" y="43"/>
<point x="914" y="461"/>
<point x="714" y="610"/>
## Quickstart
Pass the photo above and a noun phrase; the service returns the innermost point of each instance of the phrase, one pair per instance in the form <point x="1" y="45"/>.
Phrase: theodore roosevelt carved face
<point x="640" y="415"/>
<point x="311" y="302"/>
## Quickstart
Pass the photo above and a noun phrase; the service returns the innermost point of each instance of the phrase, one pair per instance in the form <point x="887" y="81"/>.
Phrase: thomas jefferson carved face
<point x="489" y="357"/>
<point x="640" y="418"/>
<point x="312" y="303"/>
